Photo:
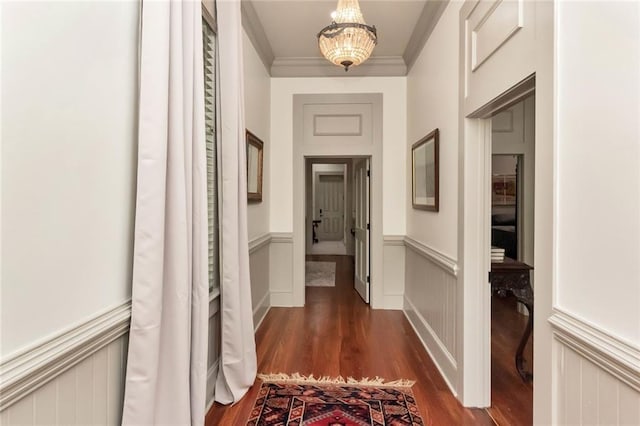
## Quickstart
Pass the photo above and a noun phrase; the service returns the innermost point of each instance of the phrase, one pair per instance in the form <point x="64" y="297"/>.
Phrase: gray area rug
<point x="320" y="274"/>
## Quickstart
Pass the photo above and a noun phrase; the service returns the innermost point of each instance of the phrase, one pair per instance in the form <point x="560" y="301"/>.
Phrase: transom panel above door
<point x="337" y="123"/>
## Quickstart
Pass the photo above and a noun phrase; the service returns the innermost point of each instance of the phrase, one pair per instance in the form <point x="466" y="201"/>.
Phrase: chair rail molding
<point x="445" y="262"/>
<point x="26" y="371"/>
<point x="259" y="242"/>
<point x="612" y="354"/>
<point x="393" y="240"/>
<point x="282" y="237"/>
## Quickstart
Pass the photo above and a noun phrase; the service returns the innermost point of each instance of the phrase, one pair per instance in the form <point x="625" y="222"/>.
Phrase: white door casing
<point x="361" y="193"/>
<point x="506" y="51"/>
<point x="313" y="139"/>
<point x="330" y="205"/>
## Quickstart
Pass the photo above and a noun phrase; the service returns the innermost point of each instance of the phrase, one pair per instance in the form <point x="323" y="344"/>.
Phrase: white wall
<point x="394" y="131"/>
<point x="598" y="214"/>
<point x="432" y="102"/>
<point x="257" y="94"/>
<point x="68" y="164"/>
<point x="431" y="286"/>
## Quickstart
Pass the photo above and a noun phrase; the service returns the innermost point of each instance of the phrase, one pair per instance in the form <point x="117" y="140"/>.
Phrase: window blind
<point x="209" y="47"/>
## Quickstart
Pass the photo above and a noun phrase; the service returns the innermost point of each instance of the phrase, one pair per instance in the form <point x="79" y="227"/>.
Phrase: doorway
<point x="511" y="233"/>
<point x="475" y="238"/>
<point x="328" y="208"/>
<point x="319" y="134"/>
<point x="337" y="218"/>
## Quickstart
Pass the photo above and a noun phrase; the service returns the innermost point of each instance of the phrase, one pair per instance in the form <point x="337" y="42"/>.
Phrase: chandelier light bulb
<point x="348" y="40"/>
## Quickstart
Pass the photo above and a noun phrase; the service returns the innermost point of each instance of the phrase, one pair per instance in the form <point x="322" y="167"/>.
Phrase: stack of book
<point x="497" y="254"/>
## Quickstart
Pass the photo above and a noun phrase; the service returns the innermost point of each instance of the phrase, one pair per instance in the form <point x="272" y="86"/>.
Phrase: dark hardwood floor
<point x="511" y="398"/>
<point x="336" y="334"/>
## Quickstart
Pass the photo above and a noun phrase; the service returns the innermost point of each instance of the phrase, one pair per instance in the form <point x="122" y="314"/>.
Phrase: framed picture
<point x="425" y="172"/>
<point x="503" y="190"/>
<point x="254" y="167"/>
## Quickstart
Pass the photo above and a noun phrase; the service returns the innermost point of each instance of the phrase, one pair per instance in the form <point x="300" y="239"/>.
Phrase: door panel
<point x="330" y="203"/>
<point x="361" y="198"/>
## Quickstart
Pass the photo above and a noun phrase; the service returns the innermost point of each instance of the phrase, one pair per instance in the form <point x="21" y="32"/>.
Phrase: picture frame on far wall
<point x="425" y="172"/>
<point x="504" y="189"/>
<point x="255" y="148"/>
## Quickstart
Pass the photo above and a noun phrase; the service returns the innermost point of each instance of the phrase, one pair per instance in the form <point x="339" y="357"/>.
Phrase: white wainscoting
<point x="394" y="268"/>
<point x="213" y="354"/>
<point x="281" y="269"/>
<point x="431" y="305"/>
<point x="75" y="378"/>
<point x="597" y="374"/>
<point x="259" y="254"/>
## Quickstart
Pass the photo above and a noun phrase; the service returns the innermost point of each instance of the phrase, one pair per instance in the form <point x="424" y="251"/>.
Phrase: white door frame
<point x="474" y="233"/>
<point x="490" y="94"/>
<point x="325" y="152"/>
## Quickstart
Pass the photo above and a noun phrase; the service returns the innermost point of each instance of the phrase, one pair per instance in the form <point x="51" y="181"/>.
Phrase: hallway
<point x="337" y="334"/>
<point x="329" y="248"/>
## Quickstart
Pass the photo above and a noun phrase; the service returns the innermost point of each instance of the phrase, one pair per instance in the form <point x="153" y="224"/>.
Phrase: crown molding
<point x="427" y="21"/>
<point x="253" y="27"/>
<point x="319" y="67"/>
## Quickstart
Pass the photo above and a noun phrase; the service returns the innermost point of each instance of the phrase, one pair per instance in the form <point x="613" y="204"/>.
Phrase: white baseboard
<point x="441" y="357"/>
<point x="28" y="370"/>
<point x="281" y="299"/>
<point x="394" y="301"/>
<point x="261" y="310"/>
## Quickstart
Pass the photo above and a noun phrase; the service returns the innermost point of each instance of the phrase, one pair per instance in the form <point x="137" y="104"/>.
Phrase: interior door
<point x="361" y="198"/>
<point x="330" y="204"/>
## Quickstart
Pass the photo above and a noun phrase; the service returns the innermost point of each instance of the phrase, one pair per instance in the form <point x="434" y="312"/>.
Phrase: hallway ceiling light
<point x="348" y="40"/>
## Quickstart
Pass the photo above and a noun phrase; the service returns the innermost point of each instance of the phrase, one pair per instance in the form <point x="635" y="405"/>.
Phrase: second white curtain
<point x="238" y="353"/>
<point x="166" y="367"/>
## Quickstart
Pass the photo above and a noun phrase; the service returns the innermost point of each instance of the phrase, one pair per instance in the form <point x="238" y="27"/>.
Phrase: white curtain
<point x="238" y="353"/>
<point x="166" y="368"/>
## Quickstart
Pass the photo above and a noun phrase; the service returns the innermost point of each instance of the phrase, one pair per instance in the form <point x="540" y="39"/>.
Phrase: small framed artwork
<point x="425" y="172"/>
<point x="254" y="167"/>
<point x="503" y="190"/>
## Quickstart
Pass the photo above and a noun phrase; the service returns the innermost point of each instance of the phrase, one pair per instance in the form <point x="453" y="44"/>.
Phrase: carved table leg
<point x="526" y="376"/>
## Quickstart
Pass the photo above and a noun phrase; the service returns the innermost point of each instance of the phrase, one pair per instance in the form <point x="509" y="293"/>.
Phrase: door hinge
<point x="489" y="276"/>
<point x="368" y="279"/>
<point x="368" y="227"/>
<point x="368" y="173"/>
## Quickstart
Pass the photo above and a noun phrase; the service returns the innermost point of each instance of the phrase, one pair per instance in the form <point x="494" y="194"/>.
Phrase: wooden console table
<point x="513" y="276"/>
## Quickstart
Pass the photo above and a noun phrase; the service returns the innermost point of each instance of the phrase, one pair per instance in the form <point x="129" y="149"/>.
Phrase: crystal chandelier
<point x="348" y="40"/>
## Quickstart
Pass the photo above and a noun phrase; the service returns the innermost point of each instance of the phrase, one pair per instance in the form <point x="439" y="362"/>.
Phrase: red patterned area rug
<point x="297" y="400"/>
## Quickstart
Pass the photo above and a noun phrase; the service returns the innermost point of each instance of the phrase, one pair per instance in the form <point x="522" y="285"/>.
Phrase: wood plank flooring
<point x="337" y="334"/>
<point x="511" y="398"/>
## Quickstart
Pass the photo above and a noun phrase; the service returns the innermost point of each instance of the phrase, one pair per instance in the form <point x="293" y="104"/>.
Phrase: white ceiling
<point x="284" y="34"/>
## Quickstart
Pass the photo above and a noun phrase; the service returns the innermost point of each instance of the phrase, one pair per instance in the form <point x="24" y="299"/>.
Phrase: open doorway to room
<point x="337" y="218"/>
<point x="511" y="233"/>
<point x="329" y="213"/>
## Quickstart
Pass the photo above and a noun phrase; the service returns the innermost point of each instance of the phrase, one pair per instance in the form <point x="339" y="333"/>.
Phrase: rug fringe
<point x="327" y="380"/>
